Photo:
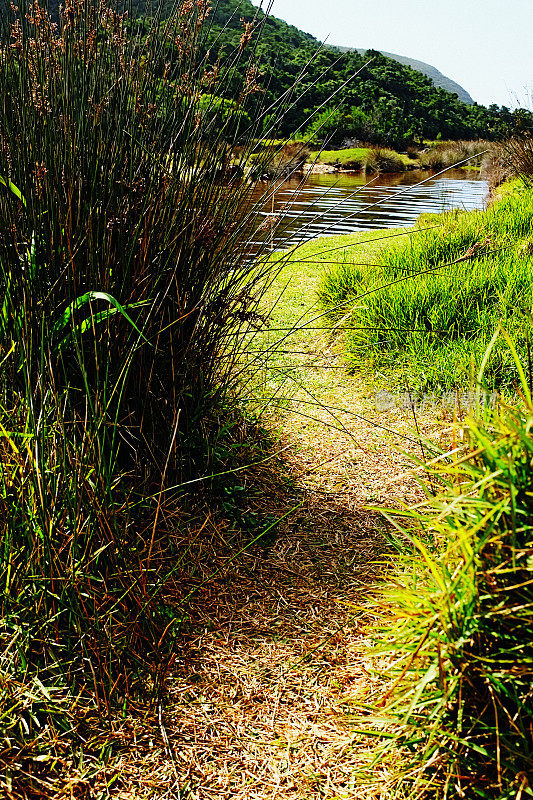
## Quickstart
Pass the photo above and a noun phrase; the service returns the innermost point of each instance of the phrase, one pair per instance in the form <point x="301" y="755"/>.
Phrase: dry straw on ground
<point x="265" y="686"/>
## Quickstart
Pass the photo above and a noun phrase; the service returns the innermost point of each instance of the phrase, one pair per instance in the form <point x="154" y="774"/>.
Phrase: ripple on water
<point x="338" y="204"/>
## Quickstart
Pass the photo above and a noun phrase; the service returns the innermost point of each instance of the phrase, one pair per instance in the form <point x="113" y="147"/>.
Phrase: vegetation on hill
<point x="426" y="69"/>
<point x="450" y="307"/>
<point x="388" y="103"/>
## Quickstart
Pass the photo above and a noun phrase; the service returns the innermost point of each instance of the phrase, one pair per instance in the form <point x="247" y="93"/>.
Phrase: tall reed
<point x="127" y="283"/>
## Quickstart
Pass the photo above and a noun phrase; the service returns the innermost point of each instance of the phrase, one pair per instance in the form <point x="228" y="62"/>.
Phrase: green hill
<point x="388" y="102"/>
<point x="426" y="69"/>
<point x="346" y="95"/>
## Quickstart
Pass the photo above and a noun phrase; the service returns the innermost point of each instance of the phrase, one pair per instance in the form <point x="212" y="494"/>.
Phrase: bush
<point x="380" y="159"/>
<point x="330" y="126"/>
<point x="278" y="159"/>
<point x="510" y="159"/>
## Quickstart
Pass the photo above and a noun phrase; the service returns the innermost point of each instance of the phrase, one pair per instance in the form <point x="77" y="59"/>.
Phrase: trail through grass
<point x="261" y="687"/>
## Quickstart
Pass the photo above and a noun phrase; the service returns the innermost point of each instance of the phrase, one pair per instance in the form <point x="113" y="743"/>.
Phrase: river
<point x="341" y="203"/>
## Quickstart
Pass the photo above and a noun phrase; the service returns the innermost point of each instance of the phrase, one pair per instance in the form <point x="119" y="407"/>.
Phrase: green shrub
<point x="329" y="126"/>
<point x="380" y="159"/>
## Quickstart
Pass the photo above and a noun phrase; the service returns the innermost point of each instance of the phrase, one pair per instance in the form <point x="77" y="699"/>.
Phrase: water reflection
<point x="336" y="204"/>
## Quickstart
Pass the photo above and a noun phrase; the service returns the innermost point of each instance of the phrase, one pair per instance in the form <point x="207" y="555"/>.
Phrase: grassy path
<point x="263" y="693"/>
<point x="346" y="446"/>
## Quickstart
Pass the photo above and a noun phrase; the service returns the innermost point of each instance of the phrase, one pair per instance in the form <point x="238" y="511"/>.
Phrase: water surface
<point x="334" y="204"/>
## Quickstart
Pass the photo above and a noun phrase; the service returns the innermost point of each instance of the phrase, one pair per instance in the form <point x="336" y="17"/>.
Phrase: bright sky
<point x="484" y="45"/>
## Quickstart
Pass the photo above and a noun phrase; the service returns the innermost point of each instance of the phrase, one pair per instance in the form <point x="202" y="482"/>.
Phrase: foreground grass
<point x="126" y="292"/>
<point x="458" y="618"/>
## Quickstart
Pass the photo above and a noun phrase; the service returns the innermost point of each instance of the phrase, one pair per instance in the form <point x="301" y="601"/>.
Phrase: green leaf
<point x="12" y="188"/>
<point x="86" y="298"/>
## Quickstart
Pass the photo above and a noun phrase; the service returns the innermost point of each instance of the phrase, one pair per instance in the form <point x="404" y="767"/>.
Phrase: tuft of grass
<point x="441" y="155"/>
<point x="432" y="302"/>
<point x="373" y="159"/>
<point x="380" y="159"/>
<point x="458" y="622"/>
<point x="510" y="160"/>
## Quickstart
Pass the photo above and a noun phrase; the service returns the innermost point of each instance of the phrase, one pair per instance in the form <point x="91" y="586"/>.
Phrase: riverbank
<point x="288" y="157"/>
<point x="433" y="155"/>
<point x="272" y="687"/>
<point x="467" y="272"/>
<point x="280" y="691"/>
<point x="275" y="689"/>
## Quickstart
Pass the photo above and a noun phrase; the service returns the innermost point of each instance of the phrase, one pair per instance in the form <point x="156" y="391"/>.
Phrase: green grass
<point x="457" y="621"/>
<point x="352" y="155"/>
<point x="363" y="158"/>
<point x="431" y="304"/>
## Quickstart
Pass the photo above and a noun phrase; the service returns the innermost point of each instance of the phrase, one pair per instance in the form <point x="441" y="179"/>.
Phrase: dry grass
<point x="268" y="668"/>
<point x="265" y="685"/>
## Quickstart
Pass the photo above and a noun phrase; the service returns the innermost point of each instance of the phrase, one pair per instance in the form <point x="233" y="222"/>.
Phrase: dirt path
<point x="263" y="693"/>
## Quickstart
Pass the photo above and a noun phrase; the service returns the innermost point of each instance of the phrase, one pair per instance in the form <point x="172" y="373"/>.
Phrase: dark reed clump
<point x="125" y="170"/>
<point x="127" y="285"/>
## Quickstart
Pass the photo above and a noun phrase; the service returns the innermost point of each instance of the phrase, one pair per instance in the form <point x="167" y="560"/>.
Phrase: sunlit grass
<point x="433" y="299"/>
<point x="457" y="619"/>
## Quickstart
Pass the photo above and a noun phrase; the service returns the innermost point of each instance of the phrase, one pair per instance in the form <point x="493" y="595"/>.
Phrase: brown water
<point x="343" y="203"/>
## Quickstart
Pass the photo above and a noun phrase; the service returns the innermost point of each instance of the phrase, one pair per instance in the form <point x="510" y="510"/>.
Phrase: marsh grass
<point x="458" y="620"/>
<point x="381" y="159"/>
<point x="446" y="154"/>
<point x="510" y="160"/>
<point x="128" y="296"/>
<point x="433" y="299"/>
<point x="127" y="286"/>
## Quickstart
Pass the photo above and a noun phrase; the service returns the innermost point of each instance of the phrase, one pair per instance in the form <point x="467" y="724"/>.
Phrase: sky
<point x="484" y="45"/>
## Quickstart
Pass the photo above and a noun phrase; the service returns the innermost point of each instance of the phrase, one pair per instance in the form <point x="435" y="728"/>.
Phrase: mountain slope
<point x="354" y="97"/>
<point x="426" y="69"/>
<point x="296" y="35"/>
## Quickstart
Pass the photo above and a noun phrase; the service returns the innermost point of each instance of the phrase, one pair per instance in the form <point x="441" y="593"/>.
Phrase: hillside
<point x="297" y="38"/>
<point x="378" y="99"/>
<point x="426" y="69"/>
